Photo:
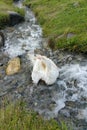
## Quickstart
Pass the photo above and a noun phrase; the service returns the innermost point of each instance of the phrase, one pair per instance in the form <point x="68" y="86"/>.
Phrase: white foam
<point x="60" y="103"/>
<point x="82" y="114"/>
<point x="25" y="37"/>
<point x="75" y="72"/>
<point x="68" y="73"/>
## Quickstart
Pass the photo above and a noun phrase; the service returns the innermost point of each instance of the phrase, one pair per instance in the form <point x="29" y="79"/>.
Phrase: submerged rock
<point x="44" y="69"/>
<point x="13" y="66"/>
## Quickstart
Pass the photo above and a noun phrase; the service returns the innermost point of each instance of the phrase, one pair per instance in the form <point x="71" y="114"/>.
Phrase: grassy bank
<point x="15" y="117"/>
<point x="64" y="21"/>
<point x="7" y="5"/>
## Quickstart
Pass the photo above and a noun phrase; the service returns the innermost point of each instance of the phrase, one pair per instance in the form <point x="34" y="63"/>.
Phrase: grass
<point x="60" y="18"/>
<point x="16" y="117"/>
<point x="7" y="5"/>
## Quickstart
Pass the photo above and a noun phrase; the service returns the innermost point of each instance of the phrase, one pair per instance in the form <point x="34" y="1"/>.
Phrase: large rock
<point x="13" y="66"/>
<point x="2" y="40"/>
<point x="14" y="18"/>
<point x="44" y="69"/>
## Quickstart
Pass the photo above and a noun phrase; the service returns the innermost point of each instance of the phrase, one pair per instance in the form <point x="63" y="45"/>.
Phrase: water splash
<point x="24" y="37"/>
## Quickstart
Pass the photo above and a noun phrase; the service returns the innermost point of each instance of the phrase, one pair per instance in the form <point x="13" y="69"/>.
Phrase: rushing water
<point x="25" y="37"/>
<point x="67" y="98"/>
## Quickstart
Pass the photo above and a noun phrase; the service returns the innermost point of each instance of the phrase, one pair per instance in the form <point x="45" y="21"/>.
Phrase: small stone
<point x="13" y="66"/>
<point x="10" y="29"/>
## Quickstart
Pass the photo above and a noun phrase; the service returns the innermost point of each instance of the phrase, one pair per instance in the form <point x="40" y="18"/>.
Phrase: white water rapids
<point x="26" y="37"/>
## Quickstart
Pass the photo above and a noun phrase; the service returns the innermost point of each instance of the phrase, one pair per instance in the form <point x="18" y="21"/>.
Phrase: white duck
<point x="44" y="69"/>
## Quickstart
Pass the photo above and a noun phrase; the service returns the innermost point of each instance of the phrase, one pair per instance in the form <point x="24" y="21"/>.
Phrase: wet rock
<point x="2" y="39"/>
<point x="13" y="66"/>
<point x="72" y="104"/>
<point x="15" y="18"/>
<point x="3" y="59"/>
<point x="9" y="29"/>
<point x="38" y="51"/>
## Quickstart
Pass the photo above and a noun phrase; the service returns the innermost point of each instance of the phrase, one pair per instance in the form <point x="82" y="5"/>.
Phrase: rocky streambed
<point x="66" y="99"/>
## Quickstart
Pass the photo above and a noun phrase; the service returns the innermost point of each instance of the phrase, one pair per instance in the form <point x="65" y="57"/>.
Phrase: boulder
<point x="43" y="69"/>
<point x="2" y="40"/>
<point x="13" y="66"/>
<point x="15" y="18"/>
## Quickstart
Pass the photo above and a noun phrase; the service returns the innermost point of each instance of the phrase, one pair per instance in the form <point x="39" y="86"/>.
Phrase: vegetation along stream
<point x="66" y="99"/>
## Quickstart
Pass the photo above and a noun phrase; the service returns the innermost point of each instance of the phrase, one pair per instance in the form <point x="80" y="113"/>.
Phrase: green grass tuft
<point x="62" y="17"/>
<point x="16" y="117"/>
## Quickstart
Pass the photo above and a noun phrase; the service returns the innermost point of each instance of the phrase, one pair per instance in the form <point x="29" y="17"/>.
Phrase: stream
<point x="66" y="99"/>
